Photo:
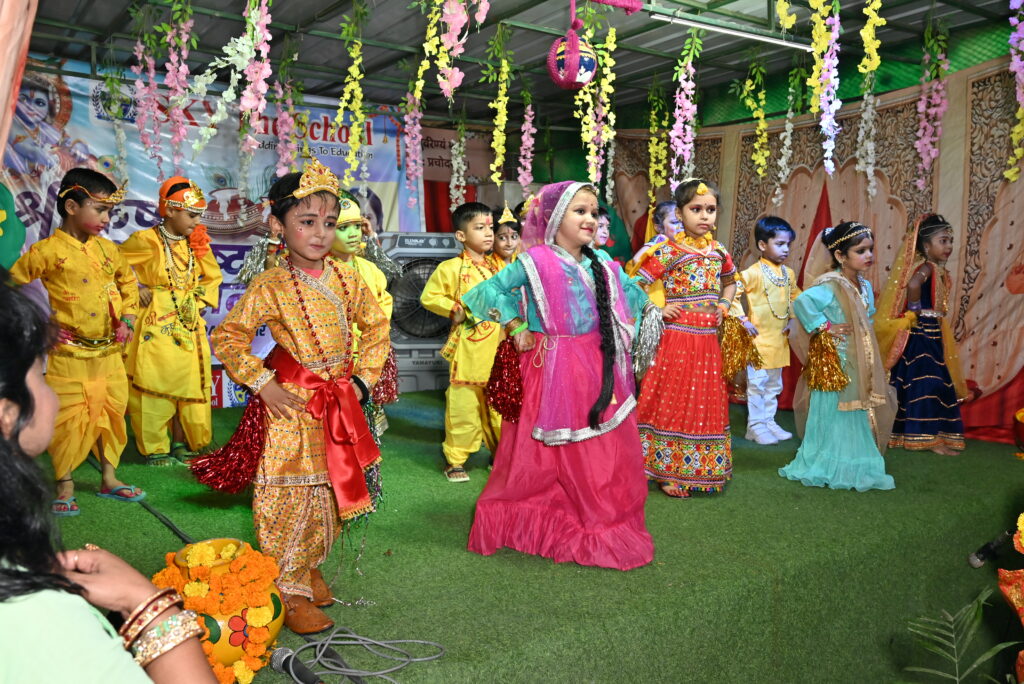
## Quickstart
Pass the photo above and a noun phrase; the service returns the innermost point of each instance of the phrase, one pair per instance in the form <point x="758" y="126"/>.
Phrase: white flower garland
<point x="609" y="178"/>
<point x="866" y="134"/>
<point x="457" y="183"/>
<point x="786" y="153"/>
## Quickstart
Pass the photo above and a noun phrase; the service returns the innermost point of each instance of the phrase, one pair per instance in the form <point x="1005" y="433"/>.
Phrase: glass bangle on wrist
<point x="520" y="329"/>
<point x="126" y="321"/>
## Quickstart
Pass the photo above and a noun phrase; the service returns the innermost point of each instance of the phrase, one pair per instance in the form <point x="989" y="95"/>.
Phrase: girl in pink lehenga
<point x="568" y="481"/>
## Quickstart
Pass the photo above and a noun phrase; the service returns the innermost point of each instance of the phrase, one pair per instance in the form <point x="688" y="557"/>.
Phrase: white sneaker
<point x="760" y="434"/>
<point x="778" y="432"/>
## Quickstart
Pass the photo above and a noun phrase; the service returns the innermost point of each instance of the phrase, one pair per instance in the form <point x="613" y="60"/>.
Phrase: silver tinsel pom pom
<point x="255" y="261"/>
<point x="645" y="346"/>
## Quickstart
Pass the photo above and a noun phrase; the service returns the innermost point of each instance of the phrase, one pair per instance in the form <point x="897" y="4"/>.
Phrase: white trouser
<point x="763" y="388"/>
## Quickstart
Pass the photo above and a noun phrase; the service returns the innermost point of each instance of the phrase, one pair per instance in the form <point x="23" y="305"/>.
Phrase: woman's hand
<point x="109" y="582"/>
<point x="279" y="401"/>
<point x="841" y="329"/>
<point x="524" y="341"/>
<point x="671" y="311"/>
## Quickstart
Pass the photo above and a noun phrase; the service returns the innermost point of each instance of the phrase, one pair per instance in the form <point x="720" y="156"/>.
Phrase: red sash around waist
<point x="347" y="440"/>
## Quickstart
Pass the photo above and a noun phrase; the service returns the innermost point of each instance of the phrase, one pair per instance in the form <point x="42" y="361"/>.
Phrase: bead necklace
<point x="780" y="282"/>
<point x="700" y="243"/>
<point x="484" y="275"/>
<point x="184" y="281"/>
<point x="941" y="276"/>
<point x="293" y="271"/>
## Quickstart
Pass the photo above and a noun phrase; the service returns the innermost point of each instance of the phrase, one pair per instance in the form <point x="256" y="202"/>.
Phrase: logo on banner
<point x="216" y="387"/>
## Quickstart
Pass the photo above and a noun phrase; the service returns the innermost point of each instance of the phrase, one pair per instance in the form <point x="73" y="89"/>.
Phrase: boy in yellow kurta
<point x="348" y="243"/>
<point x="769" y="288"/>
<point x="319" y="467"/>
<point x="94" y="298"/>
<point x="471" y="345"/>
<point x="168" y="361"/>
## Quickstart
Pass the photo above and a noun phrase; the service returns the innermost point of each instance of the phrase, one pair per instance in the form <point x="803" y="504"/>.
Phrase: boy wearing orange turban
<point x="168" y="361"/>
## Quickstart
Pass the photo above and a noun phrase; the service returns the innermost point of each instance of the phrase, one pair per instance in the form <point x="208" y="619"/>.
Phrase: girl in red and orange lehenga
<point x="683" y="411"/>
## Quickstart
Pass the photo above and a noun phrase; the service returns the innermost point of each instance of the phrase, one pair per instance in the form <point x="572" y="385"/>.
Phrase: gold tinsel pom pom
<point x="824" y="368"/>
<point x="738" y="349"/>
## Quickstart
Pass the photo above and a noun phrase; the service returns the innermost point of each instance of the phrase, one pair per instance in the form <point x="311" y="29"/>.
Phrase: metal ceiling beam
<point x="323" y="14"/>
<point x="712" y="24"/>
<point x="700" y="7"/>
<point x="976" y="11"/>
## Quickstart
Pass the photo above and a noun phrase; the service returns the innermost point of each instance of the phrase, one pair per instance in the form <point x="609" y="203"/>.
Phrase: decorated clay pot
<point x="229" y="633"/>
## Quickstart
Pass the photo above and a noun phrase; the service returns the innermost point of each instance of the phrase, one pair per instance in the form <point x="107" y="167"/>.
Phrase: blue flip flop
<point x="68" y="512"/>
<point x="113" y="494"/>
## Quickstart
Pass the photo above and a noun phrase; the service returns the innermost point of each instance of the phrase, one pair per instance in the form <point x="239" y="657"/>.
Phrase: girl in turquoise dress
<point x="847" y="419"/>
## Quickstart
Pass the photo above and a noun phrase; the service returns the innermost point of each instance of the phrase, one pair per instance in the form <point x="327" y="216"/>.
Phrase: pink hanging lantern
<point x="572" y="62"/>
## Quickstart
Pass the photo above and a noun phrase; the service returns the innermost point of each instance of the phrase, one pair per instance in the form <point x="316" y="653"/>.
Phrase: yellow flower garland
<point x="787" y="19"/>
<point x="605" y="88"/>
<point x="1012" y="173"/>
<point x="657" y="150"/>
<point x="352" y="96"/>
<point x="431" y="43"/>
<point x="871" y="60"/>
<point x="500" y="107"/>
<point x="820" y="36"/>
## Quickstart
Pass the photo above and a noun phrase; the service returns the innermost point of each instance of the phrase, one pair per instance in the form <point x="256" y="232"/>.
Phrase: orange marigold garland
<point x="243" y="588"/>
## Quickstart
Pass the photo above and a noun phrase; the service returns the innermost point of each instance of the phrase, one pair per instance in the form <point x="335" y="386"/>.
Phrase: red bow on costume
<point x="349" y="445"/>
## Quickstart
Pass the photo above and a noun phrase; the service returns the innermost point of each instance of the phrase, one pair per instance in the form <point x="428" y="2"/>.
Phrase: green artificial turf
<point x="772" y="581"/>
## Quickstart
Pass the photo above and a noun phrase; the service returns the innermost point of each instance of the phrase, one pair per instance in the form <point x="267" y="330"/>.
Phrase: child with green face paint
<point x="347" y="247"/>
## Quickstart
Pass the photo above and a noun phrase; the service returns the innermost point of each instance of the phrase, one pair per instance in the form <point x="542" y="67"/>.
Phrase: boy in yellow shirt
<point x="769" y="289"/>
<point x="168" y="362"/>
<point x="94" y="297"/>
<point x="471" y="345"/>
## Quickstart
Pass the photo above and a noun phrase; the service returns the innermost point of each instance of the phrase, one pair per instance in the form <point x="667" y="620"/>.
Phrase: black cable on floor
<point x="326" y="661"/>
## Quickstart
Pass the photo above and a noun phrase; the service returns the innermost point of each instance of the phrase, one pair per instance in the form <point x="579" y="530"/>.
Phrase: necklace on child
<point x="699" y="243"/>
<point x="294" y="272"/>
<point x="780" y="282"/>
<point x="185" y="312"/>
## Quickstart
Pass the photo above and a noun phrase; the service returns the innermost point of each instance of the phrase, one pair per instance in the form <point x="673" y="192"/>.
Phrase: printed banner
<point x="60" y="123"/>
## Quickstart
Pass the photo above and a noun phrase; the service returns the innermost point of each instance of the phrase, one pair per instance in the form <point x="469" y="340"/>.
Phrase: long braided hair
<point x="604" y="313"/>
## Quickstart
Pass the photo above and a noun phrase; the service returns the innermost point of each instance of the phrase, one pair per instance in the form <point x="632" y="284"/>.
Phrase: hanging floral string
<point x="414" y="103"/>
<point x="751" y="92"/>
<point x="455" y="18"/>
<point x="868" y="113"/>
<point x="236" y="57"/>
<point x="525" y="172"/>
<point x="681" y="137"/>
<point x="351" y="99"/>
<point x="657" y="145"/>
<point x="585" y="111"/>
<point x="457" y="183"/>
<point x="288" y="94"/>
<point x="820" y="10"/>
<point x="606" y="112"/>
<point x="795" y="103"/>
<point x="148" y="49"/>
<point x="829" y="102"/>
<point x="1012" y="172"/>
<point x="257" y="71"/>
<point x="932" y="104"/>
<point x="498" y="52"/>
<point x="179" y="39"/>
<point x="787" y="19"/>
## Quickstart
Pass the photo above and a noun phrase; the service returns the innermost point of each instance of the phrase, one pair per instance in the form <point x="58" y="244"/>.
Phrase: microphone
<point x="988" y="551"/>
<point x="283" y="660"/>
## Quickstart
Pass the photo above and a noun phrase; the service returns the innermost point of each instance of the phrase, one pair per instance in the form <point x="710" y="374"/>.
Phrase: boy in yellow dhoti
<point x="471" y="345"/>
<point x="168" y="361"/>
<point x="347" y="246"/>
<point x="94" y="298"/>
<point x="769" y="288"/>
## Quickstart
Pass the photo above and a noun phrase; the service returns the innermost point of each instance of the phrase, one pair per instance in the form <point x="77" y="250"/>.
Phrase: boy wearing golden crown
<point x="94" y="297"/>
<point x="318" y="468"/>
<point x="471" y="345"/>
<point x="168" y="360"/>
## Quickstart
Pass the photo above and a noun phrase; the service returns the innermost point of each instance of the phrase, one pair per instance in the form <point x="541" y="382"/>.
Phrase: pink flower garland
<point x="147" y="116"/>
<point x="287" y="146"/>
<point x="413" y="142"/>
<point x="931" y="107"/>
<point x="254" y="97"/>
<point x="455" y="17"/>
<point x="1016" y="50"/>
<point x="176" y="81"/>
<point x="526" y="151"/>
<point x="829" y="101"/>
<point x="681" y="137"/>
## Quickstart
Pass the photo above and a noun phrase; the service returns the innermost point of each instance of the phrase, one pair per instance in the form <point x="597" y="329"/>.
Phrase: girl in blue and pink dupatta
<point x="568" y="481"/>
